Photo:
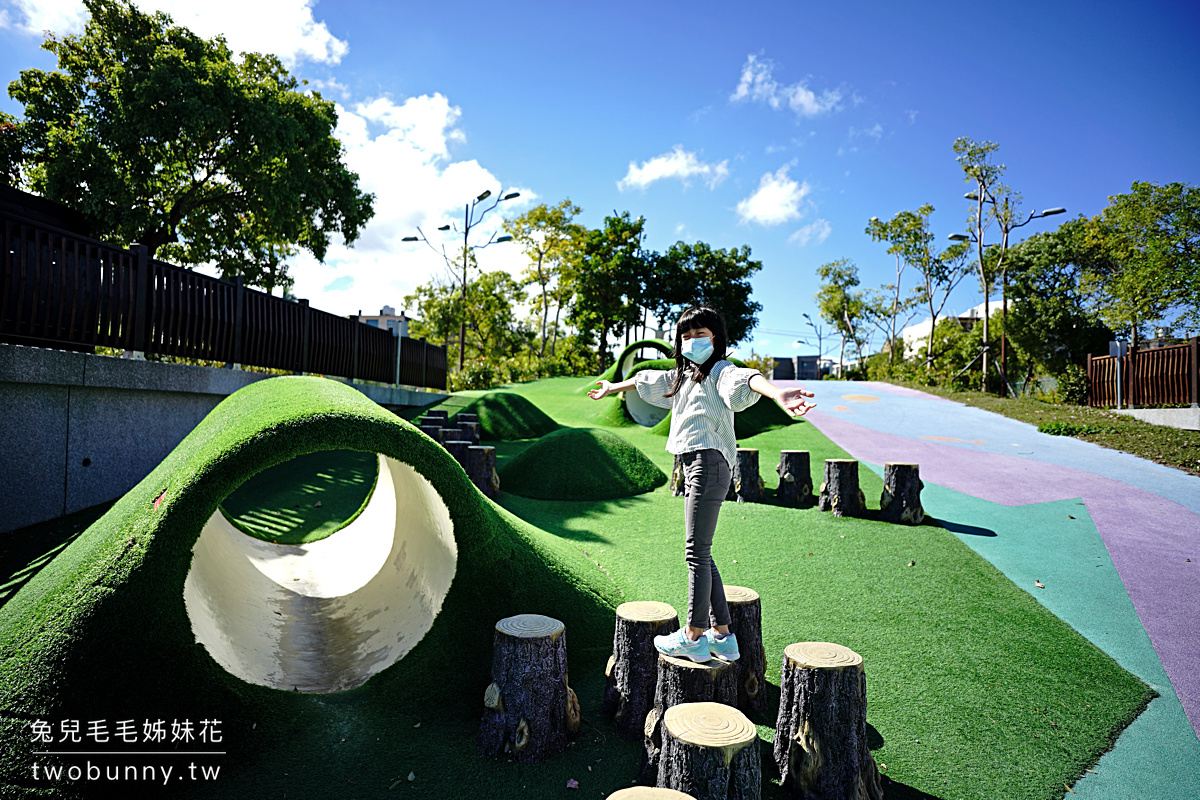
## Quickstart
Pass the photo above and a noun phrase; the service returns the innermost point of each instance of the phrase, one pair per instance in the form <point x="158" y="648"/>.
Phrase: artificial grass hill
<point x="580" y="464"/>
<point x="305" y="499"/>
<point x="102" y="633"/>
<point x="507" y="415"/>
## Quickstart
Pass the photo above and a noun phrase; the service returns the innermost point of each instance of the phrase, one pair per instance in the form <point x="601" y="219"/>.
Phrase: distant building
<point x="916" y="336"/>
<point x="796" y="368"/>
<point x="387" y="318"/>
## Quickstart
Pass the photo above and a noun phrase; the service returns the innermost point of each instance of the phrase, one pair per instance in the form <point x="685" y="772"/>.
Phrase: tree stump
<point x="462" y="416"/>
<point x="434" y="417"/>
<point x="745" y="609"/>
<point x="795" y="478"/>
<point x="481" y="469"/>
<point x="469" y="430"/>
<point x="633" y="668"/>
<point x="745" y="485"/>
<point x="678" y="489"/>
<point x="529" y="708"/>
<point x="433" y="432"/>
<point x="901" y="498"/>
<point x="648" y="793"/>
<point x="710" y="751"/>
<point x="840" y="493"/>
<point x="681" y="680"/>
<point x="821" y="731"/>
<point x="449" y="434"/>
<point x="459" y="450"/>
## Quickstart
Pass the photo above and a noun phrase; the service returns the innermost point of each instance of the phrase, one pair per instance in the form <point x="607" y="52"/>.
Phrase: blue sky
<point x="782" y="126"/>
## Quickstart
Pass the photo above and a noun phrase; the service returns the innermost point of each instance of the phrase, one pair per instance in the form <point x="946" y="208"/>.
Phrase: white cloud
<point x="776" y="200"/>
<point x="402" y="153"/>
<point x="874" y="132"/>
<point x="678" y="163"/>
<point x="283" y="27"/>
<point x="815" y="232"/>
<point x="758" y="84"/>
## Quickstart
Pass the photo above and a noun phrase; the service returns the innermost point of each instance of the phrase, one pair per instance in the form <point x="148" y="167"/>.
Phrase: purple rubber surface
<point x="1148" y="536"/>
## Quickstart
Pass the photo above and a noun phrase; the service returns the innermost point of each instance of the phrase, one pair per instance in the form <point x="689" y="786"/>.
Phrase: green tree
<point x="607" y="279"/>
<point x="993" y="202"/>
<point x="1150" y="238"/>
<point x="697" y="274"/>
<point x="550" y="238"/>
<point x="161" y="137"/>
<point x="912" y="242"/>
<point x="1051" y="321"/>
<point x="840" y="305"/>
<point x="492" y="329"/>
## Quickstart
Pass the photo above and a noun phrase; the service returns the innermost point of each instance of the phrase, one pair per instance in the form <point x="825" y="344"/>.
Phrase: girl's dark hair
<point x="693" y="319"/>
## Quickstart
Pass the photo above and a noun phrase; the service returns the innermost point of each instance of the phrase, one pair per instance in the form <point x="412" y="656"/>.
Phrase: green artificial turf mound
<point x="103" y="633"/>
<point x="305" y="499"/>
<point x="507" y="415"/>
<point x="622" y="368"/>
<point x="581" y="464"/>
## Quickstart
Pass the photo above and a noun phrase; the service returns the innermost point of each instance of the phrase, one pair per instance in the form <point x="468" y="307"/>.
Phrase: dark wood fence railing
<point x="65" y="291"/>
<point x="1155" y="376"/>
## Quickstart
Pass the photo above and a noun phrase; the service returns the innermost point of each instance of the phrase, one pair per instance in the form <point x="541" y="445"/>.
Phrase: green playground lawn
<point x="974" y="689"/>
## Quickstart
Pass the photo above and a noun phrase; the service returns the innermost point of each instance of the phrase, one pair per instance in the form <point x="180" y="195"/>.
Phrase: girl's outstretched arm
<point x="604" y="389"/>
<point x="792" y="400"/>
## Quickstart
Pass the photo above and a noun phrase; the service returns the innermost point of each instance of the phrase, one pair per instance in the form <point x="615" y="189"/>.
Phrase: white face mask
<point x="697" y="350"/>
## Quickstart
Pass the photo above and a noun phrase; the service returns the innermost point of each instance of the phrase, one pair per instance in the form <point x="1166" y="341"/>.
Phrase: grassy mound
<point x="102" y="632"/>
<point x="581" y="464"/>
<point x="305" y="499"/>
<point x="506" y="416"/>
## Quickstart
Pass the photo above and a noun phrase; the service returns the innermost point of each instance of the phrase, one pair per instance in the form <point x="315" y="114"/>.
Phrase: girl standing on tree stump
<point x="703" y="391"/>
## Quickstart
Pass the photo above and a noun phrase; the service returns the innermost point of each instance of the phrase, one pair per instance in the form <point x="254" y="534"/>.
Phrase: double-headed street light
<point x="470" y="219"/>
<point x="1003" y="214"/>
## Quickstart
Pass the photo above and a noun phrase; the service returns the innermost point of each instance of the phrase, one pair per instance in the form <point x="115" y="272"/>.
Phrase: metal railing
<point x="65" y="291"/>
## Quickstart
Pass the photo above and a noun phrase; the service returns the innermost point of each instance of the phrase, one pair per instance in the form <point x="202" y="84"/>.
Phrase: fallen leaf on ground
<point x="1039" y="584"/>
<point x="572" y="784"/>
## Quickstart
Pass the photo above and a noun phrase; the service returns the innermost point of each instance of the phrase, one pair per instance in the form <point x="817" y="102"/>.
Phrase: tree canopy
<point x="162" y="137"/>
<point x="698" y="274"/>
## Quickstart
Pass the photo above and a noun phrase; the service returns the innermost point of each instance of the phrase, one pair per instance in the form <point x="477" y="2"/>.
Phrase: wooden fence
<point x="65" y="291"/>
<point x="1155" y="376"/>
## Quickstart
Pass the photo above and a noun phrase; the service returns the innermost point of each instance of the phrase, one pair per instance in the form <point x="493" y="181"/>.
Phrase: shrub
<point x="1073" y="385"/>
<point x="1059" y="428"/>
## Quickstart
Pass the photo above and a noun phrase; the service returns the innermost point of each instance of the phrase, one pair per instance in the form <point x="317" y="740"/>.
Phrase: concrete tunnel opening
<point x="327" y="615"/>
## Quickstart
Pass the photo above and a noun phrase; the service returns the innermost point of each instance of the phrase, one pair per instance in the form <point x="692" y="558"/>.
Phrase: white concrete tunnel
<point x="327" y="615"/>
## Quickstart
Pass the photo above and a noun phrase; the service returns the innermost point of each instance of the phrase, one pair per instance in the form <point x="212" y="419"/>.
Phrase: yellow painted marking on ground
<point x="861" y="398"/>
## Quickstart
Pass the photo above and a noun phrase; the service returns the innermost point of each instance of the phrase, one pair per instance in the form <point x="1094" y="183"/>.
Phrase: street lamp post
<point x="1004" y="213"/>
<point x="470" y="219"/>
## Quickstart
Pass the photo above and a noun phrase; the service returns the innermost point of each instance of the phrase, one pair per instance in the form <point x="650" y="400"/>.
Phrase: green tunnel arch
<point x="104" y="630"/>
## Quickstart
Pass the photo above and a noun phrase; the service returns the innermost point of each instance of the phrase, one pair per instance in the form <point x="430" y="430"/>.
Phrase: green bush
<point x="1073" y="385"/>
<point x="1060" y="428"/>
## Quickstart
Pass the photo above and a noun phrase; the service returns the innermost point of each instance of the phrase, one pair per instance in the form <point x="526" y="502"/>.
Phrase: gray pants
<point x="706" y="482"/>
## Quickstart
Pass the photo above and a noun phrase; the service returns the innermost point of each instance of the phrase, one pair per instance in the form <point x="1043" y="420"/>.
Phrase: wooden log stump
<point x="840" y="493"/>
<point x="459" y="449"/>
<point x="745" y="611"/>
<point x="710" y="751"/>
<point x="633" y="667"/>
<point x="795" y="478"/>
<point x="681" y="680"/>
<point x="469" y="430"/>
<point x="901" y="498"/>
<point x="481" y="469"/>
<point x="463" y="416"/>
<point x="450" y="433"/>
<point x="434" y="417"/>
<point x="821" y="731"/>
<point x="433" y="432"/>
<point x="529" y="708"/>
<point x="678" y="489"/>
<point x="648" y="793"/>
<point x="745" y="485"/>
